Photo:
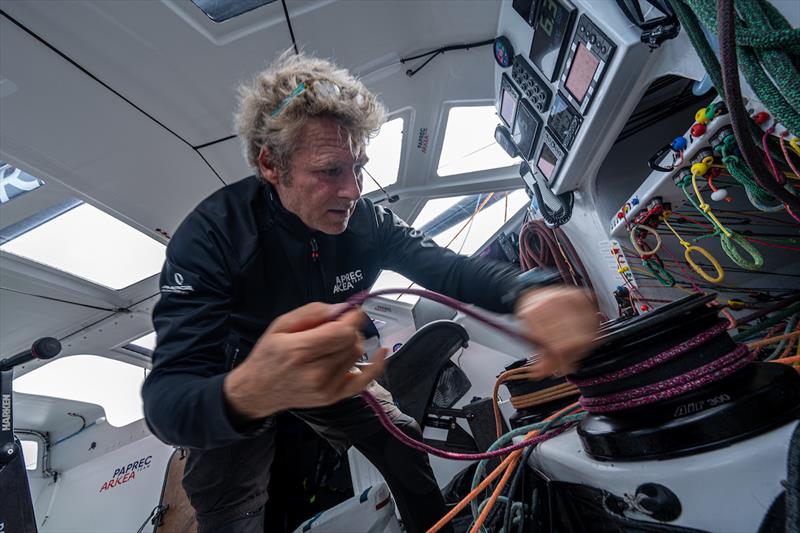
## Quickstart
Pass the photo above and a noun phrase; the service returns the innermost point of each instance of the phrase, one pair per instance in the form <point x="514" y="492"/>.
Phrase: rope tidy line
<point x="761" y="199"/>
<point x="692" y="248"/>
<point x="728" y="239"/>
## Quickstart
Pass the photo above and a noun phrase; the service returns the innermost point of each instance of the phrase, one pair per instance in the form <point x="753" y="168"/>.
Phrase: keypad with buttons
<point x="531" y="84"/>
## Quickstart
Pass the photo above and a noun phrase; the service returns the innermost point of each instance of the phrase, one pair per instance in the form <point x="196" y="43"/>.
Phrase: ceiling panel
<point x="24" y="319"/>
<point x="166" y="57"/>
<point x="78" y="133"/>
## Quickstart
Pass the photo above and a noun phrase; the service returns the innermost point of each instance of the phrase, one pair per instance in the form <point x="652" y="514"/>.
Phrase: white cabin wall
<point x="82" y="501"/>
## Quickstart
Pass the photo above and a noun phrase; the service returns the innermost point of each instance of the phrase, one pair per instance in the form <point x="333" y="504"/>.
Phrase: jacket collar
<point x="279" y="216"/>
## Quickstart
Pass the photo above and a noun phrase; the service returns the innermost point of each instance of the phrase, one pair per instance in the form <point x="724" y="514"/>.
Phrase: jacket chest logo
<point x="346" y="282"/>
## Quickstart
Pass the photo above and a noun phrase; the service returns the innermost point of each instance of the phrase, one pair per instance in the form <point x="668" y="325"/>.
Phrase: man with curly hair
<point x="248" y="324"/>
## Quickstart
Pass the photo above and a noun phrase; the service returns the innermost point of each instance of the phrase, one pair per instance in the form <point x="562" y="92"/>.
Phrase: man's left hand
<point x="562" y="322"/>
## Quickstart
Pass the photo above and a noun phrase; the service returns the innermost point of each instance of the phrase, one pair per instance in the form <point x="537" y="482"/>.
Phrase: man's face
<point x="324" y="178"/>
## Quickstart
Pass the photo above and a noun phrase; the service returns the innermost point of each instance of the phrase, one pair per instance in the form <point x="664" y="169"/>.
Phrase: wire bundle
<point x="543" y="247"/>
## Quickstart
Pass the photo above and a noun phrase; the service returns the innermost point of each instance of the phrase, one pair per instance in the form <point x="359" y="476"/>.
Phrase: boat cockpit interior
<point x="645" y="151"/>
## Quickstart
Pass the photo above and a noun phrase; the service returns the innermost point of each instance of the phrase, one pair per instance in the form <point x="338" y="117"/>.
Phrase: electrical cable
<point x="289" y="24"/>
<point x="50" y="298"/>
<point x="389" y="198"/>
<point x="442" y="50"/>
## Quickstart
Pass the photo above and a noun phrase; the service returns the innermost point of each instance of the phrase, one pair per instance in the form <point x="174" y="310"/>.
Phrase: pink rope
<point x="360" y="298"/>
<point x="786" y="154"/>
<point x="780" y="178"/>
<point x="704" y="375"/>
<point x="386" y="422"/>
<point x="656" y="360"/>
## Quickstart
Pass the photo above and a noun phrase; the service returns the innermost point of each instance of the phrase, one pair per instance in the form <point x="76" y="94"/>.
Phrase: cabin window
<point x="465" y="223"/>
<point x="111" y="384"/>
<point x="144" y="344"/>
<point x="88" y="243"/>
<point x="30" y="450"/>
<point x="222" y="10"/>
<point x="389" y="279"/>
<point x="450" y="223"/>
<point x="384" y="155"/>
<point x="14" y="182"/>
<point x="469" y="144"/>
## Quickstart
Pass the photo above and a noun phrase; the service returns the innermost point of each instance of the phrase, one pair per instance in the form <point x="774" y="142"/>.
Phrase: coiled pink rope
<point x="656" y="360"/>
<point x="669" y="388"/>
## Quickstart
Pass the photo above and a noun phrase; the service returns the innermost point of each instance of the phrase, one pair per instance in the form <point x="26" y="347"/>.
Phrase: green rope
<point x="775" y="319"/>
<point x="656" y="268"/>
<point x="505" y="438"/>
<point x="768" y="48"/>
<point x="729" y="244"/>
<point x="790" y="325"/>
<point x="516" y="508"/>
<point x="760" y="198"/>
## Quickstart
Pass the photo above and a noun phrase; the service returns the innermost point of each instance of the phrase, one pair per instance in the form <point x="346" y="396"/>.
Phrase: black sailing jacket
<point x="240" y="260"/>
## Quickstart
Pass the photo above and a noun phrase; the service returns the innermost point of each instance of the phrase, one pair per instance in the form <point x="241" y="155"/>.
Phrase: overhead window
<point x="14" y="182"/>
<point x="469" y="144"/>
<point x="384" y="156"/>
<point x="30" y="451"/>
<point x="111" y="384"/>
<point x="88" y="243"/>
<point x="222" y="10"/>
<point x="144" y="344"/>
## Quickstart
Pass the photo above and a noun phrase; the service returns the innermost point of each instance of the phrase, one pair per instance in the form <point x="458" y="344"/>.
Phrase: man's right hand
<point x="304" y="359"/>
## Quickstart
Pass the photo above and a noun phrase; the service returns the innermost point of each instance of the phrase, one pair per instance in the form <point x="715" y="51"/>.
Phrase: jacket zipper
<point x="315" y="258"/>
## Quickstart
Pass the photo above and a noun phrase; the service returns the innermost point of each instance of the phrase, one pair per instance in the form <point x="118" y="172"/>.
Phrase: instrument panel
<point x="571" y="49"/>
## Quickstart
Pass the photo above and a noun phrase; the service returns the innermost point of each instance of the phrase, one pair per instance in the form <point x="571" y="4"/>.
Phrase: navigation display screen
<point x="508" y="106"/>
<point x="526" y="126"/>
<point x="552" y="27"/>
<point x="547" y="162"/>
<point x="584" y="65"/>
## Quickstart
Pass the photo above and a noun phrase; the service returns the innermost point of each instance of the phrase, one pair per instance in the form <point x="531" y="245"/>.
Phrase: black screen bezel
<point x="565" y="39"/>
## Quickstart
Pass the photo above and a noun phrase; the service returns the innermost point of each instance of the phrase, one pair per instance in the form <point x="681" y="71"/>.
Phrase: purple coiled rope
<point x="656" y="360"/>
<point x="669" y="388"/>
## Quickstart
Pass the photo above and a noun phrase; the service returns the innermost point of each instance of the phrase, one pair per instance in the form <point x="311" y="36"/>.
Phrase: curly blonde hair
<point x="274" y="107"/>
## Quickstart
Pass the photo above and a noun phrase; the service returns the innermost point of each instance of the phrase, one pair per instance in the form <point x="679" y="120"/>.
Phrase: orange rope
<point x="773" y="340"/>
<point x="496" y="494"/>
<point x="471" y="496"/>
<point x="787" y="360"/>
